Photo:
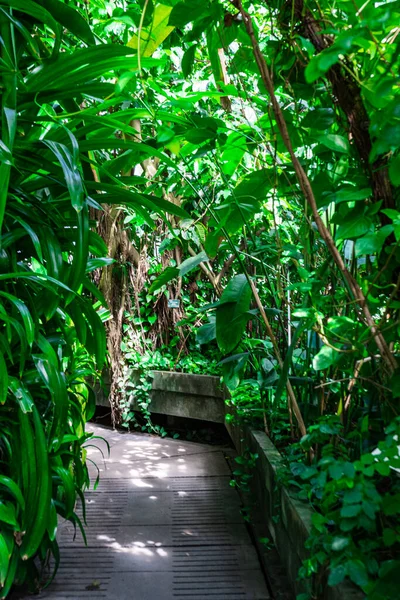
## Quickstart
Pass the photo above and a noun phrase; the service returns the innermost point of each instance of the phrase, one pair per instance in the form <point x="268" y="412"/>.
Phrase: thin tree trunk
<point x="305" y="185"/>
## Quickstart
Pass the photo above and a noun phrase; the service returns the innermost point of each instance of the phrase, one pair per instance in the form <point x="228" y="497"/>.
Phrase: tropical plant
<point x="55" y="82"/>
<point x="248" y="153"/>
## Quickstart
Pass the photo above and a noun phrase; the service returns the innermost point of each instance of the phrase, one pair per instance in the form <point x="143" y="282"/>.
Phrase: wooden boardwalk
<point x="164" y="524"/>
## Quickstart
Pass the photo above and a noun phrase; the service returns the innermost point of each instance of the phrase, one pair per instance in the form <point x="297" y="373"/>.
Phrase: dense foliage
<point x="247" y="160"/>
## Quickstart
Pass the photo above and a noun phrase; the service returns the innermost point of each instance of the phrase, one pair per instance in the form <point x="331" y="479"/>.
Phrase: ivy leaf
<point x="336" y="575"/>
<point x="350" y="510"/>
<point x="357" y="572"/>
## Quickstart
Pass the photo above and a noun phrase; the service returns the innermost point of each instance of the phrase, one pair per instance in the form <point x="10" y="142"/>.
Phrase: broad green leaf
<point x="357" y="572"/>
<point x="325" y="358"/>
<point x="335" y="142"/>
<point x="71" y="172"/>
<point x="207" y="332"/>
<point x="231" y="314"/>
<point x="187" y="11"/>
<point x="233" y="152"/>
<point x="336" y="575"/>
<point x="354" y="227"/>
<point x="319" y="118"/>
<point x="165" y="277"/>
<point x="84" y="65"/>
<point x="36" y="529"/>
<point x="323" y="61"/>
<point x="191" y="263"/>
<point x="372" y="243"/>
<point x="349" y="194"/>
<point x="154" y="34"/>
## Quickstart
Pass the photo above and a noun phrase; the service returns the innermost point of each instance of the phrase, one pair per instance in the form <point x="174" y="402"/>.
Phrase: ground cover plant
<point x="239" y="161"/>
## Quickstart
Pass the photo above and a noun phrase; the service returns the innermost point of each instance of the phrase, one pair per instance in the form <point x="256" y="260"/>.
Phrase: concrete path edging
<point x="288" y="519"/>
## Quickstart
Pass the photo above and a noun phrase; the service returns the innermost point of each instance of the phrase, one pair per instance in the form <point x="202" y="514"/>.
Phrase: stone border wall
<point x="287" y="518"/>
<point x="179" y="395"/>
<point x="185" y="395"/>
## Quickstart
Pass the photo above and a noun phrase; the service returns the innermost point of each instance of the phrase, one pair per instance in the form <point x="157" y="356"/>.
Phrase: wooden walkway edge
<point x="164" y="524"/>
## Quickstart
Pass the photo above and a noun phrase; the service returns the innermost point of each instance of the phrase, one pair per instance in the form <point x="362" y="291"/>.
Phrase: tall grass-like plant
<point x="54" y="79"/>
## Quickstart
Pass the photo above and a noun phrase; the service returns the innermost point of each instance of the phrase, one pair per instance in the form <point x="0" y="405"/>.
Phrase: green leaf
<point x="325" y="358"/>
<point x="394" y="170"/>
<point x="165" y="277"/>
<point x="372" y="243"/>
<point x="186" y="11"/>
<point x="7" y="514"/>
<point x="53" y="522"/>
<point x="340" y="543"/>
<point x="231" y="314"/>
<point x="188" y="60"/>
<point x="319" y="118"/>
<point x="321" y="63"/>
<point x="25" y="315"/>
<point x="391" y="504"/>
<point x="353" y="227"/>
<point x="71" y="172"/>
<point x="357" y="572"/>
<point x="190" y="263"/>
<point x="349" y="194"/>
<point x="336" y="575"/>
<point x="21" y="394"/>
<point x="69" y="18"/>
<point x="83" y="65"/>
<point x="206" y="333"/>
<point x="350" y="510"/>
<point x="3" y="379"/>
<point x="389" y="537"/>
<point x="4" y="559"/>
<point x="155" y="33"/>
<point x="36" y="529"/>
<point x="13" y="489"/>
<point x="335" y="142"/>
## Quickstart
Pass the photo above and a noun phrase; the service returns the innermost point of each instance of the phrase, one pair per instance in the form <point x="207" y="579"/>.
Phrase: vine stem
<point x="142" y="17"/>
<point x="305" y="185"/>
